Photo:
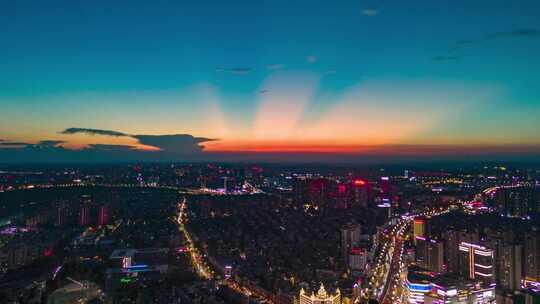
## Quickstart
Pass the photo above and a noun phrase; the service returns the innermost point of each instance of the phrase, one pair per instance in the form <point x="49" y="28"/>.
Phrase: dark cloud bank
<point x="188" y="148"/>
<point x="170" y="148"/>
<point x="93" y="132"/>
<point x="179" y="144"/>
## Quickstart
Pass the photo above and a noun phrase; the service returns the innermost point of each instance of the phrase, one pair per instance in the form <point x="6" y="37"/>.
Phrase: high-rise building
<point x="435" y="256"/>
<point x="510" y="272"/>
<point x="84" y="216"/>
<point x="518" y="201"/>
<point x="386" y="187"/>
<point x="318" y="191"/>
<point x="448" y="290"/>
<point x="429" y="254"/>
<point x="532" y="260"/>
<point x="360" y="192"/>
<point x="61" y="215"/>
<point x="103" y="217"/>
<point x="321" y="297"/>
<point x="421" y="254"/>
<point x="426" y="288"/>
<point x="342" y="196"/>
<point x="39" y="218"/>
<point x="451" y="251"/>
<point x="377" y="237"/>
<point x="228" y="184"/>
<point x="418" y="284"/>
<point x="419" y="228"/>
<point x="358" y="259"/>
<point x="227" y="272"/>
<point x="85" y="209"/>
<point x="476" y="262"/>
<point x="17" y="256"/>
<point x="301" y="190"/>
<point x="350" y="237"/>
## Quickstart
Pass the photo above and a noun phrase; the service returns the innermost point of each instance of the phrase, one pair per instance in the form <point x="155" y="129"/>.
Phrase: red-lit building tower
<point x="318" y="191"/>
<point x="342" y="195"/>
<point x="360" y="191"/>
<point x="84" y="211"/>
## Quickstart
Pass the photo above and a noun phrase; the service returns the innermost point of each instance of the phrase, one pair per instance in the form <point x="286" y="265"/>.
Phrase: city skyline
<point x="270" y="152"/>
<point x="286" y="81"/>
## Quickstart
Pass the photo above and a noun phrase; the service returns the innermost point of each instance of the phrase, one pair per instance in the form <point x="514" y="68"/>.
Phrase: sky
<point x="171" y="79"/>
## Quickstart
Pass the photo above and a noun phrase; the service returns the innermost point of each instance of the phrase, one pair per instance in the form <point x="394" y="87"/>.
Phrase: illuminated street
<point x="387" y="279"/>
<point x="200" y="265"/>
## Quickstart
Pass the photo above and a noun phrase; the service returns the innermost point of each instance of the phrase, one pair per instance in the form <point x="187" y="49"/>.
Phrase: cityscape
<point x="229" y="233"/>
<point x="270" y="152"/>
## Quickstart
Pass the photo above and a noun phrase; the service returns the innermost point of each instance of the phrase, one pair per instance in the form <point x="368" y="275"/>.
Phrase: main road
<point x="387" y="275"/>
<point x="201" y="266"/>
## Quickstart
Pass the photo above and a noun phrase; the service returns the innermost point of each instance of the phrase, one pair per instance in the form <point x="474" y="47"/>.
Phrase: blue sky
<point x="467" y="71"/>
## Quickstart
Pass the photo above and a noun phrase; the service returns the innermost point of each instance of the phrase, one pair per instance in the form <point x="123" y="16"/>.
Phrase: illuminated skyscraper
<point x="358" y="259"/>
<point x="518" y="202"/>
<point x="350" y="237"/>
<point x="510" y="272"/>
<point x="84" y="211"/>
<point x="361" y="192"/>
<point x="435" y="261"/>
<point x="321" y="297"/>
<point x="429" y="254"/>
<point x="417" y="285"/>
<point x="476" y="262"/>
<point x="451" y="251"/>
<point x="423" y="287"/>
<point x="532" y="260"/>
<point x="318" y="191"/>
<point x="449" y="290"/>
<point x="228" y="184"/>
<point x="385" y="186"/>
<point x="228" y="272"/>
<point x="419" y="228"/>
<point x="421" y="254"/>
<point x="342" y="195"/>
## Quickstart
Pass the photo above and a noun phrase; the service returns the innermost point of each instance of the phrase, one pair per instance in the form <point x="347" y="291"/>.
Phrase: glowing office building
<point x="419" y="228"/>
<point x="321" y="297"/>
<point x="350" y="237"/>
<point x="425" y="287"/>
<point x="416" y="290"/>
<point x="476" y="262"/>
<point x="444" y="292"/>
